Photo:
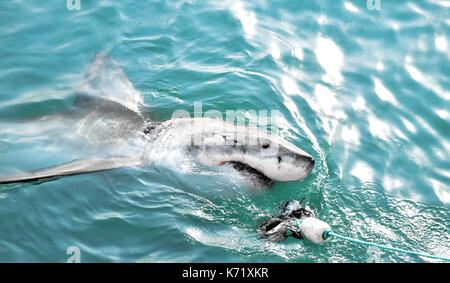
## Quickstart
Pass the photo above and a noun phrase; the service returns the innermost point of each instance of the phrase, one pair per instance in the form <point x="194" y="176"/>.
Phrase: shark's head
<point x="255" y="151"/>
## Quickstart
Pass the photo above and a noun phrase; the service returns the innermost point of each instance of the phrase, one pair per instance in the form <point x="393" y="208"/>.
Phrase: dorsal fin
<point x="105" y="79"/>
<point x="109" y="101"/>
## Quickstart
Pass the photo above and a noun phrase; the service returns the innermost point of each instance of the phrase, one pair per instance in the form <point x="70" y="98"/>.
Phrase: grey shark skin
<point x="111" y="107"/>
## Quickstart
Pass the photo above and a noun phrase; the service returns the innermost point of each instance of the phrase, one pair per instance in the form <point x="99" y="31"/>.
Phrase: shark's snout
<point x="294" y="165"/>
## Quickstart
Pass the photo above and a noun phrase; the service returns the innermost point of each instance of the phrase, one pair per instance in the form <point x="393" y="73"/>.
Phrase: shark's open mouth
<point x="248" y="171"/>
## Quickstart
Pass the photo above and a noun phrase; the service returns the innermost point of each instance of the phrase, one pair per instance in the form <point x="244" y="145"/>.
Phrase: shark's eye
<point x="265" y="145"/>
<point x="279" y="159"/>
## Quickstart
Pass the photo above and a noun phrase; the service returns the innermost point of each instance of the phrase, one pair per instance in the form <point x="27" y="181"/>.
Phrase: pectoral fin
<point x="75" y="167"/>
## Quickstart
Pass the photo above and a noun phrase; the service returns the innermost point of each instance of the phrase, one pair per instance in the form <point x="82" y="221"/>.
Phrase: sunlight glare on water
<point x="365" y="91"/>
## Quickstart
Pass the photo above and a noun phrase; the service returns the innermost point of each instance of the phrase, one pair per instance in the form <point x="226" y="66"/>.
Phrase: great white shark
<point x="110" y="109"/>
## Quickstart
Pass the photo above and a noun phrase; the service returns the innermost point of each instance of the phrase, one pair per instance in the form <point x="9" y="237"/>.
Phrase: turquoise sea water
<point x="366" y="91"/>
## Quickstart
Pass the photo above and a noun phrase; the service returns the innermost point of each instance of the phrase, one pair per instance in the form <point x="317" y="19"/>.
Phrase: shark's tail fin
<point x="75" y="167"/>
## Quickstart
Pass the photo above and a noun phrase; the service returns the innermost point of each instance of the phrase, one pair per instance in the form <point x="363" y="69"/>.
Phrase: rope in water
<point x="329" y="233"/>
